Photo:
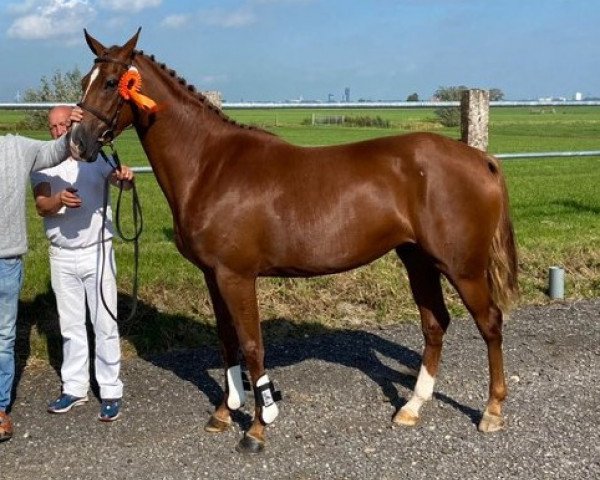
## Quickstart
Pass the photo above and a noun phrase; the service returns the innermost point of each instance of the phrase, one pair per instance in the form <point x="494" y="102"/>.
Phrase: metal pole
<point x="556" y="283"/>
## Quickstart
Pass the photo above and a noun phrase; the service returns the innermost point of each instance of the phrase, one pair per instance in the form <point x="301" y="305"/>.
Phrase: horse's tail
<point x="503" y="263"/>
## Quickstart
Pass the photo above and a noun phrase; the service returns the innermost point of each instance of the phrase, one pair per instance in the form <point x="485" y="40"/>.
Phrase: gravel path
<point x="340" y="392"/>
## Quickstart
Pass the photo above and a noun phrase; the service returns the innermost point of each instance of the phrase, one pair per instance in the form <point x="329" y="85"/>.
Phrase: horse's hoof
<point x="406" y="418"/>
<point x="214" y="425"/>
<point x="250" y="444"/>
<point x="490" y="423"/>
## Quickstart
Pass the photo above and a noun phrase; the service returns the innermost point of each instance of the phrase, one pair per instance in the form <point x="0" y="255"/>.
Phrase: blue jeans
<point x="11" y="281"/>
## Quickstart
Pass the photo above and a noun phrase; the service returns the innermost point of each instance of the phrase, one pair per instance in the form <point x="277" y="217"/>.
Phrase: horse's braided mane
<point x="194" y="93"/>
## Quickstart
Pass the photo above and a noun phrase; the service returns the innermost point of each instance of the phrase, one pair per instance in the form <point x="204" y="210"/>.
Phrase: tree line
<point x="453" y="94"/>
<point x="58" y="88"/>
<point x="66" y="88"/>
<point x="450" y="116"/>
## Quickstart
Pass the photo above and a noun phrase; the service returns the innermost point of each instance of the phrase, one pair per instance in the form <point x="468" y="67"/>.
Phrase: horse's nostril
<point x="107" y="136"/>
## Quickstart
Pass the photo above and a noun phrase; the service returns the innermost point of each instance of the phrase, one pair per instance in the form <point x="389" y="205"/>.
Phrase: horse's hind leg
<point x="488" y="317"/>
<point x="427" y="291"/>
<point x="234" y="395"/>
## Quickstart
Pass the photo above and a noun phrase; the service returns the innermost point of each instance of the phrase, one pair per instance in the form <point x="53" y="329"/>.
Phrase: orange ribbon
<point x="130" y="85"/>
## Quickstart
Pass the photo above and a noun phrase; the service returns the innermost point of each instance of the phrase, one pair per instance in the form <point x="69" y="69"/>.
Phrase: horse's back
<point x="423" y="175"/>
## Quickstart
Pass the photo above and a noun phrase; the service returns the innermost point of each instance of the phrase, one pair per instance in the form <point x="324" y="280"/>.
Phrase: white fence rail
<point x="374" y="105"/>
<point x="334" y="105"/>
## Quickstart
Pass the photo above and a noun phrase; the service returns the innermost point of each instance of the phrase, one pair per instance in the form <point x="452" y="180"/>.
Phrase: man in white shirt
<point x="70" y="198"/>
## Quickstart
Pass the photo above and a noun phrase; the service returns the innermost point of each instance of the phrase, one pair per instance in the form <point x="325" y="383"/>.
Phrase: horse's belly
<point x="331" y="252"/>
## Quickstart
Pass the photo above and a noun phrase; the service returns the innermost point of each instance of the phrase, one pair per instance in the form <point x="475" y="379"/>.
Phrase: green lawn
<point x="554" y="202"/>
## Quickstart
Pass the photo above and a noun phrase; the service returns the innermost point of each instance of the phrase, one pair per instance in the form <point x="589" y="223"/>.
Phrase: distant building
<point x="578" y="96"/>
<point x="347" y="94"/>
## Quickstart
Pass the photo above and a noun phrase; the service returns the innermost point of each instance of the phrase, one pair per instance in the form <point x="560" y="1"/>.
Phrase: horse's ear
<point x="131" y="43"/>
<point x="95" y="45"/>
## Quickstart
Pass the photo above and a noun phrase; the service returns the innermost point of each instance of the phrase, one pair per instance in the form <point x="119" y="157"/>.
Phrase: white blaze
<point x="93" y="77"/>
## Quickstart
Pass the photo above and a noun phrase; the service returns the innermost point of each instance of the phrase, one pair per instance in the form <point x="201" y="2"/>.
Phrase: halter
<point x="108" y="134"/>
<point x="106" y="139"/>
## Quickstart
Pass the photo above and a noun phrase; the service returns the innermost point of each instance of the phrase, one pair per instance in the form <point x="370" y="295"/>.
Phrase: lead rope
<point x="138" y="223"/>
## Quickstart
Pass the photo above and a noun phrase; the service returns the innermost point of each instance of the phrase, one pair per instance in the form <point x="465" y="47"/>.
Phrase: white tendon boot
<point x="236" y="395"/>
<point x="266" y="397"/>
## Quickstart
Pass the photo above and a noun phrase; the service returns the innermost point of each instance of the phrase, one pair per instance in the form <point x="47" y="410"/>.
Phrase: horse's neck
<point x="175" y="139"/>
<point x="182" y="113"/>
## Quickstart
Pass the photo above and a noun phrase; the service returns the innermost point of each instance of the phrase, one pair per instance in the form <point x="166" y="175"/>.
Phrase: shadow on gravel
<point x="41" y="314"/>
<point x="189" y="348"/>
<point x="356" y="349"/>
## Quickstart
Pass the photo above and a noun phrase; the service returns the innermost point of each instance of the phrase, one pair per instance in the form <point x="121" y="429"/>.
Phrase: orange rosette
<point x="130" y="85"/>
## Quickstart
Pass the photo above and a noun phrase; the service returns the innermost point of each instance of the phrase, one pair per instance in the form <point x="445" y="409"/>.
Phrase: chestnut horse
<point x="246" y="203"/>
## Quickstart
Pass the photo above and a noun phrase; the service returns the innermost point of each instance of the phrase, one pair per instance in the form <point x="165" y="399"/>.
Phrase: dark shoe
<point x="110" y="410"/>
<point x="65" y="402"/>
<point x="6" y="427"/>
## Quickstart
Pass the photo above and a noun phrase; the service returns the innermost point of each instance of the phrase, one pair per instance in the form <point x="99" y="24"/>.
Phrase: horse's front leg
<point x="239" y="293"/>
<point x="234" y="396"/>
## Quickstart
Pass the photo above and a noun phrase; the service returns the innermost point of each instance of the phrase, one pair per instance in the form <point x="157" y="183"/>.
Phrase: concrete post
<point x="214" y="97"/>
<point x="474" y="118"/>
<point x="556" y="283"/>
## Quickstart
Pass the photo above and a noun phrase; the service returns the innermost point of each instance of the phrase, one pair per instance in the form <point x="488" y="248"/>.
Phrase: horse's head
<point x="106" y="113"/>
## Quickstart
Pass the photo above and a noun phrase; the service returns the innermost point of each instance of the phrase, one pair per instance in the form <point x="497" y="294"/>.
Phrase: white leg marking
<point x="269" y="413"/>
<point x="423" y="391"/>
<point x="237" y="395"/>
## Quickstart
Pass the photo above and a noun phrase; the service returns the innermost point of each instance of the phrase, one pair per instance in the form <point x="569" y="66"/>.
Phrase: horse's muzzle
<point x="81" y="145"/>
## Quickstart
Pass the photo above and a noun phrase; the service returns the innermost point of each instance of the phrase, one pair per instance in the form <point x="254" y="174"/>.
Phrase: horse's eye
<point x="112" y="83"/>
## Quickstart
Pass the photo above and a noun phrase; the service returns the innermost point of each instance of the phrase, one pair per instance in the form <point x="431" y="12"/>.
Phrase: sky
<point x="276" y="50"/>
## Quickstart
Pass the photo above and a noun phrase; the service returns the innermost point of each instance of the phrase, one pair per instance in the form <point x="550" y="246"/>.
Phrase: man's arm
<point x="47" y="204"/>
<point x="49" y="154"/>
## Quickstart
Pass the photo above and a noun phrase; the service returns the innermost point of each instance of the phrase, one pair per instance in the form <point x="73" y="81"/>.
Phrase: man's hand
<point x="124" y="175"/>
<point x="69" y="198"/>
<point x="75" y="117"/>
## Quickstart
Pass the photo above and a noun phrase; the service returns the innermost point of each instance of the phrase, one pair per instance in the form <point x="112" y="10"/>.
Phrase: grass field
<point x="554" y="203"/>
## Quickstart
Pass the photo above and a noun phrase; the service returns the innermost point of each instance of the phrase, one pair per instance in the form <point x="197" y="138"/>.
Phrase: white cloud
<point x="215" y="17"/>
<point x="273" y="2"/>
<point x="129" y="5"/>
<point x="224" y="18"/>
<point x="117" y="22"/>
<point x="22" y="7"/>
<point x="214" y="79"/>
<point x="176" y="21"/>
<point x="228" y="19"/>
<point x="47" y="19"/>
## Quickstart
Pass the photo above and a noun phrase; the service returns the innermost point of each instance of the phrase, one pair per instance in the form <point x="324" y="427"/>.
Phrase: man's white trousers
<point x="76" y="276"/>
